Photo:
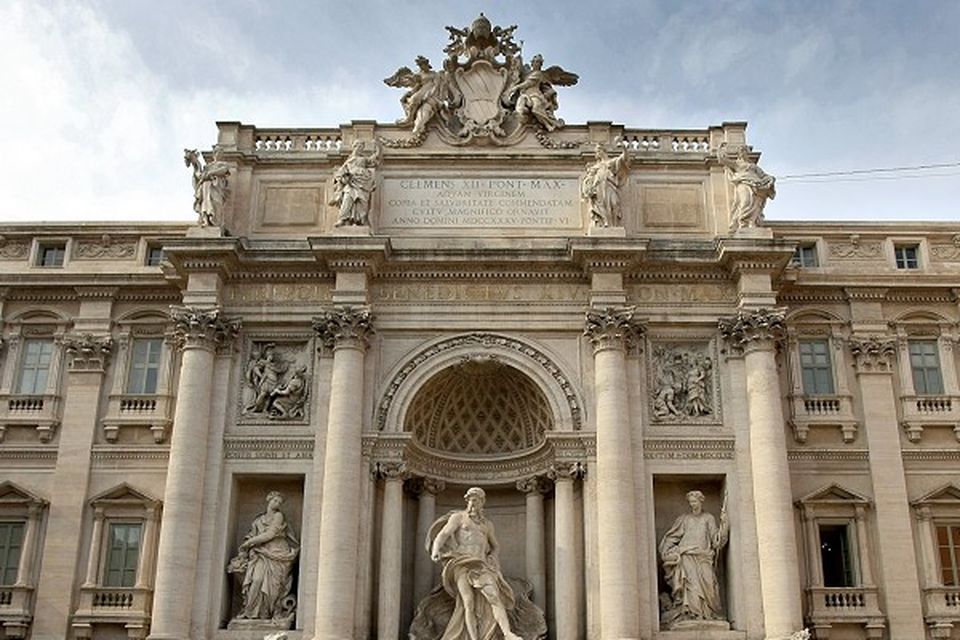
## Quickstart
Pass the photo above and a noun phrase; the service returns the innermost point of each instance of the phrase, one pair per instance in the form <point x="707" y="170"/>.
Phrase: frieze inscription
<point x="281" y="293"/>
<point x="502" y="201"/>
<point x="462" y="292"/>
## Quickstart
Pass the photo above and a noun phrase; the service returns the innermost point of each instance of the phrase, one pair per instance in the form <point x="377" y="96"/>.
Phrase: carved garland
<point x="485" y="340"/>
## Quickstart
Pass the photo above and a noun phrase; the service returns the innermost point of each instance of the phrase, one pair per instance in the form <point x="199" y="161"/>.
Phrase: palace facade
<point x="247" y="426"/>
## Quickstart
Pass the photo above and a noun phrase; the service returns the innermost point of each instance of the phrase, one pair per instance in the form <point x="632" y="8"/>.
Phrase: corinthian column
<point x="612" y="331"/>
<point x="391" y="550"/>
<point x="198" y="332"/>
<point x="874" y="361"/>
<point x="345" y="330"/>
<point x="757" y="333"/>
<point x="427" y="490"/>
<point x="567" y="576"/>
<point x="534" y="487"/>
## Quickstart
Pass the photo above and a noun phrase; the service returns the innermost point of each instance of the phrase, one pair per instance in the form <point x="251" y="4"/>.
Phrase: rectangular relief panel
<point x="683" y="382"/>
<point x="678" y="205"/>
<point x="284" y="204"/>
<point x="276" y="381"/>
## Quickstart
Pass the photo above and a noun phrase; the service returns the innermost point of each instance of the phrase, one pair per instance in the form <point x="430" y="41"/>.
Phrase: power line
<point x="874" y="178"/>
<point x="826" y="174"/>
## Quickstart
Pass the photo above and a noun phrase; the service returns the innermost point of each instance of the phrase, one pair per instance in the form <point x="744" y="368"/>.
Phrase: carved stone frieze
<point x="684" y="385"/>
<point x="13" y="249"/>
<point x="480" y="340"/>
<point x="205" y="328"/>
<point x="276" y="385"/>
<point x="946" y="252"/>
<point x="873" y="354"/>
<point x="612" y="328"/>
<point x="87" y="352"/>
<point x="344" y="326"/>
<point x="757" y="327"/>
<point x="855" y="249"/>
<point x="105" y="248"/>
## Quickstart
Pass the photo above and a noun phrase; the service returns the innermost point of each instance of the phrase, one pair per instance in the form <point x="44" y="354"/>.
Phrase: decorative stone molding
<point x="753" y="328"/>
<point x="612" y="328"/>
<point x="570" y="470"/>
<point x="944" y="252"/>
<point x="202" y="328"/>
<point x="344" y="326"/>
<point x="87" y="353"/>
<point x="872" y="354"/>
<point x="105" y="248"/>
<point x="534" y="484"/>
<point x="13" y="249"/>
<point x="855" y="249"/>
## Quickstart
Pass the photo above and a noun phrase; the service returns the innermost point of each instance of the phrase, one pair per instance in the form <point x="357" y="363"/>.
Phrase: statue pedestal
<point x="351" y="230"/>
<point x="607" y="232"/>
<point x="703" y="633"/>
<point x="209" y="231"/>
<point x="759" y="233"/>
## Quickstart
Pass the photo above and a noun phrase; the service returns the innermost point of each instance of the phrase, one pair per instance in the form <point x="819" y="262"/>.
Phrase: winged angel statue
<point x="484" y="90"/>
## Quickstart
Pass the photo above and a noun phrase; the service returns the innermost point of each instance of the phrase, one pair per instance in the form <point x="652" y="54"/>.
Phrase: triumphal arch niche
<point x="477" y="377"/>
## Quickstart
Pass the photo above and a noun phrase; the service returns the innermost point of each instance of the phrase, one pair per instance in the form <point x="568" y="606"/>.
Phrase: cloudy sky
<point x="98" y="99"/>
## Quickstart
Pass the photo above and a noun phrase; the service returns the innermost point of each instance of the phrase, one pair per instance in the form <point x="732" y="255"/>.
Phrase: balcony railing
<point x="942" y="603"/>
<point x="41" y="411"/>
<point x="831" y="605"/>
<point x="810" y="411"/>
<point x="113" y="605"/>
<point x="153" y="412"/>
<point x="925" y="411"/>
<point x="15" y="610"/>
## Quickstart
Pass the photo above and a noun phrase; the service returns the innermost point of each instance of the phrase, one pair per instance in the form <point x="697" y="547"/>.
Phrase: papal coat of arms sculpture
<point x="483" y="94"/>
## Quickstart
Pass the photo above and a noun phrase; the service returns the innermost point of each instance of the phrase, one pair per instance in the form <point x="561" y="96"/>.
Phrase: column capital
<point x="344" y="326"/>
<point x="612" y="328"/>
<point x="872" y="354"/>
<point x="567" y="471"/>
<point x="87" y="353"/>
<point x="195" y="327"/>
<point x="754" y="329"/>
<point x="422" y="485"/>
<point x="391" y="470"/>
<point x="924" y="514"/>
<point x="534" y="485"/>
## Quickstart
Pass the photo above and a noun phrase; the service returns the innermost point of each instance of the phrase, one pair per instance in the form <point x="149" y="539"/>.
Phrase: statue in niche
<point x="474" y="600"/>
<point x="210" y="188"/>
<point x="273" y="394"/>
<point x="534" y="96"/>
<point x="353" y="185"/>
<point x="683" y="382"/>
<point x="601" y="187"/>
<point x="427" y="95"/>
<point x="752" y="187"/>
<point x="689" y="551"/>
<point x="265" y="560"/>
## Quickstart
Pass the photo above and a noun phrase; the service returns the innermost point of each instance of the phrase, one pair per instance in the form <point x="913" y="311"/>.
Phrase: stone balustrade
<point x="15" y="607"/>
<point x="113" y="606"/>
<point x="840" y="605"/>
<point x="923" y="411"/>
<point x="153" y="412"/>
<point x="653" y="141"/>
<point x="822" y="411"/>
<point x="41" y="411"/>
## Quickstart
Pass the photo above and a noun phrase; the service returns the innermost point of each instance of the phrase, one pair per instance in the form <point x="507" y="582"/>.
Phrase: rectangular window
<point x="144" y="365"/>
<point x="815" y="367"/>
<point x="123" y="554"/>
<point x="11" y="542"/>
<point x="805" y="256"/>
<point x="35" y="366"/>
<point x="907" y="256"/>
<point x="925" y="364"/>
<point x="836" y="555"/>
<point x="154" y="256"/>
<point x="948" y="546"/>
<point x="51" y="255"/>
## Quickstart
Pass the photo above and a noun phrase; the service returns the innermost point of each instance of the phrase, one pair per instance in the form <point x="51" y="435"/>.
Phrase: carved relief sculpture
<point x="601" y="187"/>
<point x="683" y="384"/>
<point x="210" y="186"/>
<point x="353" y="185"/>
<point x="265" y="561"/>
<point x="752" y="187"/>
<point x="276" y="385"/>
<point x="484" y="92"/>
<point x="474" y="600"/>
<point x="689" y="552"/>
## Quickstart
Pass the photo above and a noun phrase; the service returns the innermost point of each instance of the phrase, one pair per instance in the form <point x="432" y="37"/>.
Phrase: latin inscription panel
<point x="484" y="202"/>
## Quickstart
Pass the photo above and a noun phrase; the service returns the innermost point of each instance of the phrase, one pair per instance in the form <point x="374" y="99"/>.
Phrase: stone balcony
<point x="827" y="606"/>
<point x="941" y="606"/>
<point x="15" y="606"/>
<point x="809" y="411"/>
<point x="153" y="412"/>
<point x="39" y="411"/>
<point x="923" y="411"/>
<point x="129" y="607"/>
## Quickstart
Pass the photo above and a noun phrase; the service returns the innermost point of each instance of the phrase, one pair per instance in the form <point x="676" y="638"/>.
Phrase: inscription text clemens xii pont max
<point x="481" y="202"/>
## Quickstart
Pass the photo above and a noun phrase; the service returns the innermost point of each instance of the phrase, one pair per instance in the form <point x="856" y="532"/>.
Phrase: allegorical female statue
<point x="688" y="551"/>
<point x="353" y="185"/>
<point x="601" y="187"/>
<point x="210" y="189"/>
<point x="752" y="187"/>
<point x="265" y="560"/>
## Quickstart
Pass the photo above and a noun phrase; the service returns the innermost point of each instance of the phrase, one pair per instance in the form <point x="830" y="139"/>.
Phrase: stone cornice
<point x="613" y="328"/>
<point x="350" y="253"/>
<point x="202" y="328"/>
<point x="87" y="353"/>
<point x="344" y="326"/>
<point x="607" y="255"/>
<point x="753" y="327"/>
<point x="752" y="254"/>
<point x="872" y="354"/>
